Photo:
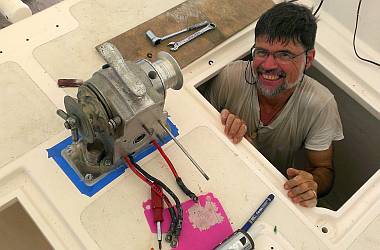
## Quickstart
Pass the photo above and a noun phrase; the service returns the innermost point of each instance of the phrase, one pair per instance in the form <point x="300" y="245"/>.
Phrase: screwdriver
<point x="157" y="209"/>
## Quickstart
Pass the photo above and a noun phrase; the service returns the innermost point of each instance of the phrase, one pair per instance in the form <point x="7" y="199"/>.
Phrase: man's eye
<point x="284" y="55"/>
<point x="261" y="53"/>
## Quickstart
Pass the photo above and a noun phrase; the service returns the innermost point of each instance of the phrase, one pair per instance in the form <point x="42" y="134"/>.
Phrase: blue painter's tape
<point x="55" y="153"/>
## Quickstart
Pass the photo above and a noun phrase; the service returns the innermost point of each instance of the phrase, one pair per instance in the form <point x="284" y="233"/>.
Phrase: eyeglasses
<point x="282" y="57"/>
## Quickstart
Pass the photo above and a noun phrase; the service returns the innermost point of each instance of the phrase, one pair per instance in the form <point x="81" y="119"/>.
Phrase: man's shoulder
<point x="315" y="93"/>
<point x="233" y="74"/>
<point x="235" y="67"/>
<point x="237" y="63"/>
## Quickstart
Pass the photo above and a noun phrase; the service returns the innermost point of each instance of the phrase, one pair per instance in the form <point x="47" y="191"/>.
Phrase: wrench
<point x="157" y="40"/>
<point x="174" y="46"/>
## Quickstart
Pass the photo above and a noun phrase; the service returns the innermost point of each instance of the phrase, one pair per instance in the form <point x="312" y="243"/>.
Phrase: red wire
<point x="170" y="164"/>
<point x="132" y="167"/>
<point x="142" y="177"/>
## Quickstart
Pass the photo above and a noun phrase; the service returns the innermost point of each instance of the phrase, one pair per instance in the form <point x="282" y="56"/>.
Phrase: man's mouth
<point x="270" y="77"/>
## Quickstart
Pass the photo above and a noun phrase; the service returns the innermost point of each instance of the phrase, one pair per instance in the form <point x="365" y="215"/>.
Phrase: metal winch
<point x="118" y="111"/>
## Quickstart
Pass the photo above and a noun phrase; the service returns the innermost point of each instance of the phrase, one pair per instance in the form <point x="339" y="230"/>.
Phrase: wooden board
<point x="230" y="16"/>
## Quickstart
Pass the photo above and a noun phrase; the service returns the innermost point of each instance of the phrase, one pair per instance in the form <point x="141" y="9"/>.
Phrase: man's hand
<point x="234" y="127"/>
<point x="302" y="187"/>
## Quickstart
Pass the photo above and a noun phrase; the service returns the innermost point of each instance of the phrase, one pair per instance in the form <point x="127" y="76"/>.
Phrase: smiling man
<point x="279" y="109"/>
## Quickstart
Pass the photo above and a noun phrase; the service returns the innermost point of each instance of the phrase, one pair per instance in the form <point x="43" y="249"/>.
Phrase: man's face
<point x="275" y="75"/>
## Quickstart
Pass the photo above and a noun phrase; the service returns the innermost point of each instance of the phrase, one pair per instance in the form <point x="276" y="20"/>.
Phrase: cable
<point x="178" y="179"/>
<point x="170" y="164"/>
<point x="146" y="180"/>
<point x="177" y="219"/>
<point x="319" y="6"/>
<point x="153" y="179"/>
<point x="354" y="39"/>
<point x="172" y="237"/>
<point x="245" y="72"/>
<point x="132" y="167"/>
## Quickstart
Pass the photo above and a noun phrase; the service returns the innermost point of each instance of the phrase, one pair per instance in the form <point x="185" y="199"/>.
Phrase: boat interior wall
<point x="15" y="222"/>
<point x="345" y="14"/>
<point x="356" y="157"/>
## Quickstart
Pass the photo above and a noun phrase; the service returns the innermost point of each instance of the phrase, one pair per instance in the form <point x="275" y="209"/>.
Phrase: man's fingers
<point x="235" y="127"/>
<point x="309" y="203"/>
<point x="295" y="181"/>
<point x="291" y="172"/>
<point x="302" y="177"/>
<point x="307" y="195"/>
<point x="241" y="132"/>
<point x="302" y="188"/>
<point x="308" y="199"/>
<point x="229" y="121"/>
<point x="223" y="116"/>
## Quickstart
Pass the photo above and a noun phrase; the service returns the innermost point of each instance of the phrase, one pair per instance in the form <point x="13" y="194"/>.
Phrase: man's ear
<point x="309" y="58"/>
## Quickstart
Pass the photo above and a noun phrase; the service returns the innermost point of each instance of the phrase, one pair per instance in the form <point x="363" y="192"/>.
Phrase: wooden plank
<point x="230" y="16"/>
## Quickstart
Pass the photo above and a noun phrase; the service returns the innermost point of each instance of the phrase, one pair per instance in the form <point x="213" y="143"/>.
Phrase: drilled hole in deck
<point x="152" y="75"/>
<point x="325" y="230"/>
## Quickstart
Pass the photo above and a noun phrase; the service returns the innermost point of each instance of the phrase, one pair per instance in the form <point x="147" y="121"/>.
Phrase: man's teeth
<point x="271" y="77"/>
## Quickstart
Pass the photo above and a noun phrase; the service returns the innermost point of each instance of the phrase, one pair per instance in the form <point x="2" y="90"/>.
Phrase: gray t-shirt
<point x="310" y="118"/>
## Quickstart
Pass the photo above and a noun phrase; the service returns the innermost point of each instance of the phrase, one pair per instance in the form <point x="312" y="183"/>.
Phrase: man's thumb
<point x="291" y="172"/>
<point x="223" y="115"/>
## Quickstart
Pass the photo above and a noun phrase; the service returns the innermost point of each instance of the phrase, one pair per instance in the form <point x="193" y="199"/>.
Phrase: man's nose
<point x="269" y="62"/>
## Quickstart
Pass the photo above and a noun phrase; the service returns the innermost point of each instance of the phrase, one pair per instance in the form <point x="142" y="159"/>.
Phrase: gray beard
<point x="274" y="92"/>
<point x="270" y="92"/>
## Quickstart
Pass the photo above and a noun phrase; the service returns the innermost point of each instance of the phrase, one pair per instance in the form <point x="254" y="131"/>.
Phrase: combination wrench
<point x="157" y="40"/>
<point x="174" y="46"/>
